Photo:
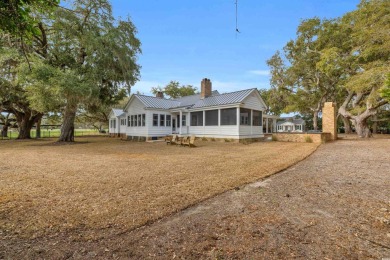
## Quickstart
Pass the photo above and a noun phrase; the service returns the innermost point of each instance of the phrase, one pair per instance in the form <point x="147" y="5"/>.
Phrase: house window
<point x="211" y="117"/>
<point x="128" y="121"/>
<point x="168" y="120"/>
<point x="143" y="119"/>
<point x="139" y="120"/>
<point x="257" y="118"/>
<point x="155" y="119"/>
<point x="197" y="118"/>
<point x="113" y="123"/>
<point x="162" y="120"/>
<point x="229" y="116"/>
<point x="245" y="116"/>
<point x="183" y="120"/>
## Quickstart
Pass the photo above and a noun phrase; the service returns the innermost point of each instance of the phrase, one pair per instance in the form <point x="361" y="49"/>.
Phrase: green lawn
<point x="13" y="134"/>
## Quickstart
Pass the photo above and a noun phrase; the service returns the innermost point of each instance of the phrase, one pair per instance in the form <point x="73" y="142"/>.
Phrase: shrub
<point x="227" y="140"/>
<point x="308" y="139"/>
<point x="213" y="139"/>
<point x="274" y="138"/>
<point x="204" y="138"/>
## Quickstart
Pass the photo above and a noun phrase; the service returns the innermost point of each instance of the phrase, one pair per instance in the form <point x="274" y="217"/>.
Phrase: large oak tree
<point x="84" y="57"/>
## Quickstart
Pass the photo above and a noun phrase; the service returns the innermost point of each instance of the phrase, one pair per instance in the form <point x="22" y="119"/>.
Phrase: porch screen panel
<point x="168" y="120"/>
<point x="143" y="119"/>
<point x="197" y="118"/>
<point x="257" y="118"/>
<point x="245" y="116"/>
<point x="183" y="120"/>
<point x="162" y="120"/>
<point x="229" y="116"/>
<point x="155" y="119"/>
<point x="211" y="117"/>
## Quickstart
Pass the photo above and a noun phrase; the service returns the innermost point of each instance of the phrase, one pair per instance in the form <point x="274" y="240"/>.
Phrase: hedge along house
<point x="234" y="115"/>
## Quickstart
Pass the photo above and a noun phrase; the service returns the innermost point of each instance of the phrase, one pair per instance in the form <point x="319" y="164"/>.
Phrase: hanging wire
<point x="237" y="31"/>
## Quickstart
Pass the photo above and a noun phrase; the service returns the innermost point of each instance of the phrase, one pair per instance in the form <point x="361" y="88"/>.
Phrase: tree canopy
<point x="174" y="90"/>
<point x="18" y="17"/>
<point x="84" y="58"/>
<point x="343" y="60"/>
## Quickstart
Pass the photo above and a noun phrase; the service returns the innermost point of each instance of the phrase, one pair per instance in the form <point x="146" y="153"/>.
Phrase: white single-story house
<point x="234" y="115"/>
<point x="291" y="125"/>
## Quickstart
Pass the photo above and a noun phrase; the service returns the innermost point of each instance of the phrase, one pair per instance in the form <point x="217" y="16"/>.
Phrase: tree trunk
<point x="25" y="126"/>
<point x="347" y="125"/>
<point x="315" y="120"/>
<point x="67" y="129"/>
<point x="375" y="124"/>
<point x="4" y="131"/>
<point x="362" y="128"/>
<point x="38" y="132"/>
<point x="26" y="121"/>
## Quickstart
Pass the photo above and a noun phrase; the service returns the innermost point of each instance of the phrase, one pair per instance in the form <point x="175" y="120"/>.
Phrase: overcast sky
<point x="187" y="40"/>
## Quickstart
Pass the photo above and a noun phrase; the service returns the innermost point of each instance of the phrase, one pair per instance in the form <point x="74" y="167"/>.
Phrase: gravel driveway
<point x="333" y="205"/>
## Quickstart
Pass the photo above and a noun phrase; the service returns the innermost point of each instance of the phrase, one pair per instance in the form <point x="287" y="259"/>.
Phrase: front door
<point x="173" y="126"/>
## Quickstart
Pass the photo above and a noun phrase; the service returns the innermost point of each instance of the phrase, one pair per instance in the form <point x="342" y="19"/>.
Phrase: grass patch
<point x="105" y="182"/>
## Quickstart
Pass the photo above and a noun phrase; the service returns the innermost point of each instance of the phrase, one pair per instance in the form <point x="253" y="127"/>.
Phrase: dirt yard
<point x="333" y="205"/>
<point x="99" y="188"/>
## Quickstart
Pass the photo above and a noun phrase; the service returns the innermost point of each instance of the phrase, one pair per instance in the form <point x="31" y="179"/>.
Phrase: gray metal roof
<point x="118" y="112"/>
<point x="297" y="121"/>
<point x="159" y="103"/>
<point x="194" y="101"/>
<point x="224" y="99"/>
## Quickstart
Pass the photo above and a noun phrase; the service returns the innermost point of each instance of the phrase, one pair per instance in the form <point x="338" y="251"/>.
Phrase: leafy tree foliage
<point x="274" y="100"/>
<point x="386" y="89"/>
<point x="370" y="40"/>
<point x="174" y="90"/>
<point x="344" y="60"/>
<point x="84" y="59"/>
<point x="13" y="95"/>
<point x="17" y="16"/>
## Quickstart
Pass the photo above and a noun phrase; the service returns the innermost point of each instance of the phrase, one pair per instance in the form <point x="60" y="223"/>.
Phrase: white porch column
<point x="180" y="119"/>
<point x="219" y="117"/>
<point x="238" y="116"/>
<point x="274" y="124"/>
<point x="266" y="125"/>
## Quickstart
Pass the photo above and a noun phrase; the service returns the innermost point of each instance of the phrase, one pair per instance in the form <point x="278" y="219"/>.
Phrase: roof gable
<point x="116" y="112"/>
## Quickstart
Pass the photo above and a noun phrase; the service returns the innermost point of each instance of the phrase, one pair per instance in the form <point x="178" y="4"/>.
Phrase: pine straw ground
<point x="100" y="187"/>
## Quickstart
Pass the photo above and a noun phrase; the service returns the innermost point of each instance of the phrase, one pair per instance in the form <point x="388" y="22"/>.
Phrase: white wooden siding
<point x="253" y="102"/>
<point x="157" y="130"/>
<point x="136" y="108"/>
<point x="251" y="131"/>
<point x="225" y="131"/>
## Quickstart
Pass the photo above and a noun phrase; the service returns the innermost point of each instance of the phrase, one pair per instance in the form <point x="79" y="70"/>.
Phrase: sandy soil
<point x="99" y="188"/>
<point x="333" y="205"/>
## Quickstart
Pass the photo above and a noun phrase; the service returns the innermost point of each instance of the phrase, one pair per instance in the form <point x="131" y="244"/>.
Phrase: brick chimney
<point x="205" y="86"/>
<point x="160" y="94"/>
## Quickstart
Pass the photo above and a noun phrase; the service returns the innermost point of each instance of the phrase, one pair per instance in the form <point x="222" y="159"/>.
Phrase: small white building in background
<point x="235" y="115"/>
<point x="291" y="125"/>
